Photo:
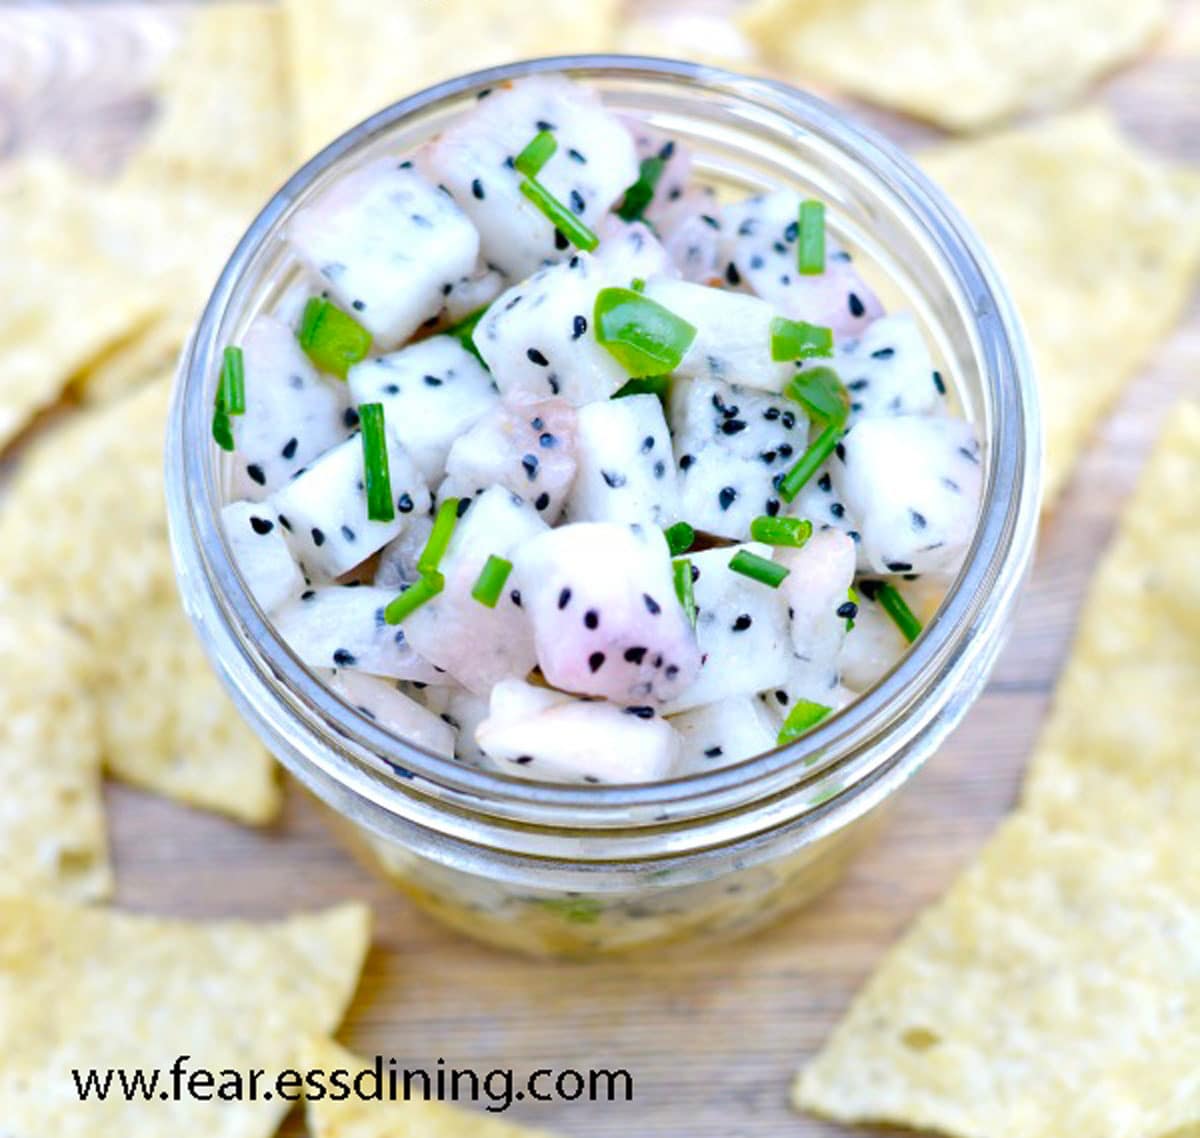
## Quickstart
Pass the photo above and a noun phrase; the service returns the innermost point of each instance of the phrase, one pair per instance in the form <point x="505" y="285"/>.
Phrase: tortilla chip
<point x="52" y="836"/>
<point x="1121" y="752"/>
<point x="66" y="301"/>
<point x="224" y="116"/>
<point x="137" y="360"/>
<point x="699" y="36"/>
<point x="83" y="988"/>
<point x="1100" y="245"/>
<point x="351" y="58"/>
<point x="83" y="531"/>
<point x="358" y="1119"/>
<point x="1054" y="991"/>
<point x="962" y="64"/>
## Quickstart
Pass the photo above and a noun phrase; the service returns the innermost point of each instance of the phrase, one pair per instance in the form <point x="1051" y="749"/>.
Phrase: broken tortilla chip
<point x="1056" y="988"/>
<point x="88" y="988"/>
<point x="963" y="64"/>
<point x="68" y="301"/>
<point x="358" y="1118"/>
<point x="52" y="835"/>
<point x="1099" y="244"/>
<point x="351" y="58"/>
<point x="83" y="532"/>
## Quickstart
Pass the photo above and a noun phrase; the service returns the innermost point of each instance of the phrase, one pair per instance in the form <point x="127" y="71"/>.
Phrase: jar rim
<point x="391" y="774"/>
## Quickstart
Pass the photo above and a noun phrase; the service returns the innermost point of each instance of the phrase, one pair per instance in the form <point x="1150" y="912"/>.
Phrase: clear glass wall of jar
<point x="569" y="870"/>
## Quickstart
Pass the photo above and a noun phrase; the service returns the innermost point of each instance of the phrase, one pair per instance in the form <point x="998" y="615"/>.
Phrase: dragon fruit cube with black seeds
<point x="261" y="554"/>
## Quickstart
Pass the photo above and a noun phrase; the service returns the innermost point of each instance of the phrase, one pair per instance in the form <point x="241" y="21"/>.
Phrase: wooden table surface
<point x="712" y="1036"/>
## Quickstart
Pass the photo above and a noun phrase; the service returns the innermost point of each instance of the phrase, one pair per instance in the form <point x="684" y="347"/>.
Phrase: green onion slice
<point x="414" y="597"/>
<point x="680" y="538"/>
<point x="792" y="532"/>
<point x="464" y="331"/>
<point x="231" y="394"/>
<point x="331" y="338"/>
<point x="810" y="243"/>
<point x="644" y="337"/>
<point x="490" y="583"/>
<point x="562" y="218"/>
<point x="439" y="536"/>
<point x="222" y="428"/>
<point x="538" y="151"/>
<point x="810" y="462"/>
<point x="641" y="193"/>
<point x="683" y="588"/>
<point x="758" y="568"/>
<point x="803" y="717"/>
<point x="378" y="478"/>
<point x="888" y="597"/>
<point x="852" y="598"/>
<point x="797" y="340"/>
<point x="648" y="385"/>
<point x="822" y="394"/>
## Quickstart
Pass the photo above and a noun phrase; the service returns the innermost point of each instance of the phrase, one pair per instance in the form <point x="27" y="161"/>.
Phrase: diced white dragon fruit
<point x="323" y="509"/>
<point x="591" y="168"/>
<point x="742" y="627"/>
<point x="388" y="243"/>
<point x="913" y="483"/>
<point x="816" y="591"/>
<point x="342" y="626"/>
<point x="605" y="616"/>
<point x="733" y="334"/>
<point x="676" y="165"/>
<point x="628" y="250"/>
<point x="527" y="445"/>
<point x="476" y="645"/>
<point x="889" y="371"/>
<point x="546" y="735"/>
<point x="537" y="336"/>
<point x="626" y="468"/>
<point x="261" y="554"/>
<point x="760" y="255"/>
<point x="464" y="711"/>
<point x="396" y="567"/>
<point x="432" y="391"/>
<point x="875" y="644"/>
<point x="818" y="503"/>
<point x="386" y="705"/>
<point x="691" y="233"/>
<point x="727" y="731"/>
<point x="470" y="293"/>
<point x="732" y="444"/>
<point x="292" y="413"/>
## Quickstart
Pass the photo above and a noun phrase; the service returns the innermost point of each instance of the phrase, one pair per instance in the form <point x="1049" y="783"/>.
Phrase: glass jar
<point x="575" y="870"/>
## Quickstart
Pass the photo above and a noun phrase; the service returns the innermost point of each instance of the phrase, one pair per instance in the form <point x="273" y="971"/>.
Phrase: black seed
<point x="840" y="451"/>
<point x="318" y="537"/>
<point x="713" y="752"/>
<point x="433" y="381"/>
<point x="577" y="202"/>
<point x="858" y="385"/>
<point x="391" y="389"/>
<point x="727" y="497"/>
<point x="856" y="305"/>
<point x="899" y="567"/>
<point x="542" y="501"/>
<point x="543" y="124"/>
<point x="350" y="417"/>
<point x="672" y="671"/>
<point x="591" y="619"/>
<point x="733" y="426"/>
<point x="578" y="327"/>
<point x="536" y="423"/>
<point x="883" y="353"/>
<point x="347" y="533"/>
<point x="647" y="444"/>
<point x="686" y="460"/>
<point x="560" y="239"/>
<point x="614" y="480"/>
<point x="261" y="526"/>
<point x="635" y="655"/>
<point x="660" y="469"/>
<point x="464" y="504"/>
<point x="536" y="357"/>
<point x="710" y="221"/>
<point x="791" y="232"/>
<point x="289" y="448"/>
<point x="951" y="485"/>
<point x="837" y="510"/>
<point x="772" y="507"/>
<point x="575" y="156"/>
<point x="344" y="659"/>
<point x="769" y="456"/>
<point x="523" y="760"/>
<point x="552" y="383"/>
<point x="939" y="382"/>
<point x="405" y="503"/>
<point x="515" y="597"/>
<point x="917" y="518"/>
<point x="477" y="189"/>
<point x="307" y="595"/>
<point x="771" y="414"/>
<point x="256" y="474"/>
<point x="854" y="535"/>
<point x="756" y="262"/>
<point x="547" y="440"/>
<point x="640" y="712"/>
<point x="595" y="662"/>
<point x="781" y="697"/>
<point x="530" y="463"/>
<point x="969" y="455"/>
<point x="732" y="275"/>
<point x="788" y="419"/>
<point x="742" y="623"/>
<point x="780" y="247"/>
<point x="848" y="610"/>
<point x="564" y="598"/>
<point x="652" y="606"/>
<point x="285" y="523"/>
<point x="695" y="573"/>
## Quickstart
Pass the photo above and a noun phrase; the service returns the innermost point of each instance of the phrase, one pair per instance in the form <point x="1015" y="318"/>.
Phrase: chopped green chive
<point x="680" y="538"/>
<point x="464" y="331"/>
<point x="796" y="340"/>
<point x="889" y="599"/>
<point x="222" y="428"/>
<point x="638" y="284"/>
<point x="562" y="218"/>
<point x="439" y="536"/>
<point x="758" y="568"/>
<point x="536" y="154"/>
<point x="803" y="717"/>
<point x="822" y="394"/>
<point x="378" y="479"/>
<point x="852" y="603"/>
<point x="648" y="385"/>
<point x="491" y="580"/>
<point x="683" y="588"/>
<point x="331" y="338"/>
<point x="414" y="597"/>
<point x="641" y="193"/>
<point x="810" y="244"/>
<point x="793" y="532"/>
<point x="644" y="337"/>
<point x="232" y="391"/>
<point x="810" y="462"/>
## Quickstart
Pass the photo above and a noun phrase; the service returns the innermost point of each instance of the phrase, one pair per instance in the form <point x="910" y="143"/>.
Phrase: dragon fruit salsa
<point x="567" y="469"/>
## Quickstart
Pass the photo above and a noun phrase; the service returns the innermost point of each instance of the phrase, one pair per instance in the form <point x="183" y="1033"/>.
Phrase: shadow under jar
<point x="577" y="870"/>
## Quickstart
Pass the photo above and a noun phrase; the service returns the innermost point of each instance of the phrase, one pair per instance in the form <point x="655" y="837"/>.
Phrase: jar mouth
<point x="829" y="762"/>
